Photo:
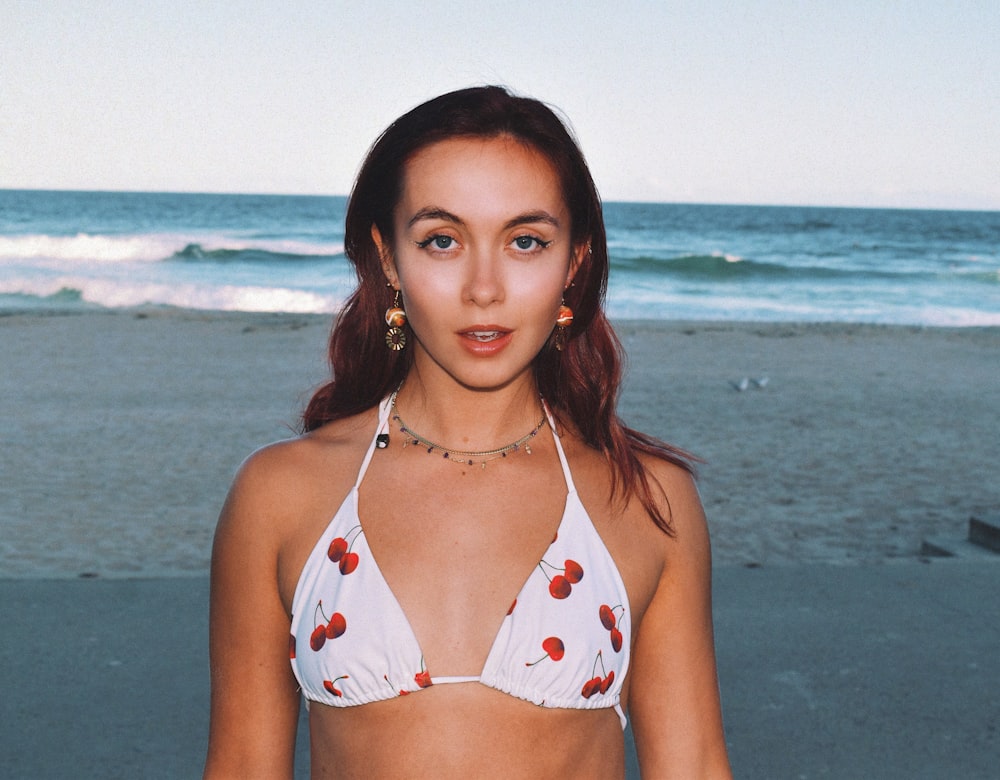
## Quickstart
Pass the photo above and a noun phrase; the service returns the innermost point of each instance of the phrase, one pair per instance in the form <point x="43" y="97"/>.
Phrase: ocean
<point x="275" y="253"/>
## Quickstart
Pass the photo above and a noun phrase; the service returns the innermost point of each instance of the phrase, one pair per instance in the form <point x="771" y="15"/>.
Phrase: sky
<point x="876" y="104"/>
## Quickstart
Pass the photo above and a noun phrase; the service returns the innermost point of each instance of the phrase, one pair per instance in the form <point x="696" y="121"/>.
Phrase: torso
<point x="455" y="544"/>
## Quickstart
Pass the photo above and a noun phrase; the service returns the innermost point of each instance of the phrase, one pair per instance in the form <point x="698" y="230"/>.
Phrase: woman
<point x="509" y="568"/>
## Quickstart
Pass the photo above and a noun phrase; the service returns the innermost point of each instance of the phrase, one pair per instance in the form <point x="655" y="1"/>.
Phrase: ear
<point x="580" y="253"/>
<point x="385" y="257"/>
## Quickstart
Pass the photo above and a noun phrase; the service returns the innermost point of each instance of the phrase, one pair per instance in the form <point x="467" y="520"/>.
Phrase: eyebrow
<point x="528" y="218"/>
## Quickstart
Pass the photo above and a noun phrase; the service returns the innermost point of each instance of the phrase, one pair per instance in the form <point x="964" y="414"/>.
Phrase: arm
<point x="255" y="703"/>
<point x="674" y="695"/>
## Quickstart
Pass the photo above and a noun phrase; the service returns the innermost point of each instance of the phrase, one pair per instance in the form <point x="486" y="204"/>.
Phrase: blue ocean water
<point x="669" y="261"/>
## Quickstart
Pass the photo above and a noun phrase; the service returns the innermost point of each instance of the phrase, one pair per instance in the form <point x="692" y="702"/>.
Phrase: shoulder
<point x="672" y="492"/>
<point x="675" y="494"/>
<point x="281" y="481"/>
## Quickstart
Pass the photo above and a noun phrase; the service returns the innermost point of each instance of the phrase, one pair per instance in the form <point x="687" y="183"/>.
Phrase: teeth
<point x="484" y="335"/>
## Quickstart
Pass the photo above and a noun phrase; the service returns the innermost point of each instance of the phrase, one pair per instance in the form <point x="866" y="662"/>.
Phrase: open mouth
<point x="484" y="335"/>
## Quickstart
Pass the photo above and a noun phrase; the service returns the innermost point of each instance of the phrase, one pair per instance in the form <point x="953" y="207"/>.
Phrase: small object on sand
<point x="761" y="382"/>
<point x="741" y="385"/>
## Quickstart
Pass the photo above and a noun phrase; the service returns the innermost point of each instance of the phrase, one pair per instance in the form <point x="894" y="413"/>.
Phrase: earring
<point x="395" y="318"/>
<point x="563" y="320"/>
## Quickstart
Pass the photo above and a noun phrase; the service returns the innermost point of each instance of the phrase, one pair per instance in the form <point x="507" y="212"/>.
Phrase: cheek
<point x="425" y="297"/>
<point x="540" y="290"/>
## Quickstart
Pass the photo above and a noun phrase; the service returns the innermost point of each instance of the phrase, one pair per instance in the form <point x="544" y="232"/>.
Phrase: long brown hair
<point x="580" y="383"/>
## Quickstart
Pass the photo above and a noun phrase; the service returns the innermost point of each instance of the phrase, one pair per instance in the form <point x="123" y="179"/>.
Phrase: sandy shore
<point x="120" y="431"/>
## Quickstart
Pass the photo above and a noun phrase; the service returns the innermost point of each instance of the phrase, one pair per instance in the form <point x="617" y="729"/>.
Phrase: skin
<point x="481" y="255"/>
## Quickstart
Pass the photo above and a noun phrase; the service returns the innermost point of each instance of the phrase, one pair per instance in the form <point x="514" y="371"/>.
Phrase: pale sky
<point x="814" y="103"/>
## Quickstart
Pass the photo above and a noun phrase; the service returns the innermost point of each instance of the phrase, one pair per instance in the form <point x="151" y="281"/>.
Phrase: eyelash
<point x="428" y="241"/>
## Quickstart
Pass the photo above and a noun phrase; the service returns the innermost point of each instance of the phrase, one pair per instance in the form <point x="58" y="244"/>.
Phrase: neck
<point x="463" y="418"/>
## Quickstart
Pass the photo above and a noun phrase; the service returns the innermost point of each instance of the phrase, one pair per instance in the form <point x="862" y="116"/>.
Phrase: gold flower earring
<point x="395" y="318"/>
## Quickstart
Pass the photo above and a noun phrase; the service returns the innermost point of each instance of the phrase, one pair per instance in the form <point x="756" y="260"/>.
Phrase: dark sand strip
<point x="881" y="671"/>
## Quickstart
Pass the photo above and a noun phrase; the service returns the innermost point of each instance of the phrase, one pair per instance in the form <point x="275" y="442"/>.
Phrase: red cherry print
<point x="291" y="645"/>
<point x="337" y="549"/>
<point x="512" y="605"/>
<point x="597" y="684"/>
<point x="340" y="553"/>
<point x="559" y="587"/>
<point x="336" y="626"/>
<point x="591" y="687"/>
<point x="554" y="649"/>
<point x="616" y="640"/>
<point x="318" y="638"/>
<point x="329" y="685"/>
<point x="607" y="617"/>
<point x="423" y="679"/>
<point x="553" y="645"/>
<point x="348" y="563"/>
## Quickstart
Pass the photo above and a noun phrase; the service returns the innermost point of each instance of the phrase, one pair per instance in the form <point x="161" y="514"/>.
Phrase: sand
<point x="121" y="430"/>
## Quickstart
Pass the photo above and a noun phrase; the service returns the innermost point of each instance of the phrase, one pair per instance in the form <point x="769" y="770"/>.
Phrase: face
<point x="482" y="255"/>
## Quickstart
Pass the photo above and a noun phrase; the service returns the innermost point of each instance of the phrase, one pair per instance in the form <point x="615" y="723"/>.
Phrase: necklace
<point x="461" y="457"/>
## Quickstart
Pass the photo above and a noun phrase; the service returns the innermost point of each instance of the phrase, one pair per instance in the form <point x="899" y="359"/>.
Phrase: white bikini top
<point x="563" y="643"/>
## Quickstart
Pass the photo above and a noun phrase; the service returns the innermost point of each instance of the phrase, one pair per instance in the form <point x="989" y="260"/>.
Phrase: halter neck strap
<point x="383" y="427"/>
<point x="567" y="475"/>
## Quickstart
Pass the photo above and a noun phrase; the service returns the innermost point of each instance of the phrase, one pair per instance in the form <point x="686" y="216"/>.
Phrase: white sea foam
<point x="147" y="247"/>
<point x="729" y="258"/>
<point x="83" y="246"/>
<point x="116" y="294"/>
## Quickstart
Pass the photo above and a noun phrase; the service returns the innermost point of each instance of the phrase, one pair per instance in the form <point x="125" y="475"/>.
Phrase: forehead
<point x="480" y="175"/>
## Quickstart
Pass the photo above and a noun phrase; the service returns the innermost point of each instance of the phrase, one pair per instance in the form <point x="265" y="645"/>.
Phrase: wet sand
<point x="121" y="431"/>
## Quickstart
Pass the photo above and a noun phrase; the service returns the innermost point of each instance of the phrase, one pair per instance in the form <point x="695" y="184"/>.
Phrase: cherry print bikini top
<point x="564" y="642"/>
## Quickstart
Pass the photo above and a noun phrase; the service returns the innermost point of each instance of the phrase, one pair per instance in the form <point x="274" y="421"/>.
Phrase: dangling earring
<point x="395" y="318"/>
<point x="563" y="320"/>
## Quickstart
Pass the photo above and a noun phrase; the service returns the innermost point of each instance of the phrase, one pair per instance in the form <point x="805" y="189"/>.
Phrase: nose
<point x="484" y="284"/>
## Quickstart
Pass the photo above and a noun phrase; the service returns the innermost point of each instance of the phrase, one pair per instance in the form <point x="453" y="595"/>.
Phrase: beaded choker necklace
<point x="460" y="457"/>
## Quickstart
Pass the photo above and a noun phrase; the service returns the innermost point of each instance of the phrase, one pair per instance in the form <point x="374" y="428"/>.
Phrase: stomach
<point x="464" y="730"/>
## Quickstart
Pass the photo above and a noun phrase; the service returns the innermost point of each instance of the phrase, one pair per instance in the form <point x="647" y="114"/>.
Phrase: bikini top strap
<point x="567" y="474"/>
<point x="383" y="428"/>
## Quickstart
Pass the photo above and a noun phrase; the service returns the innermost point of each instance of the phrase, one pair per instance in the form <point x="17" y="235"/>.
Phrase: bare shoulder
<point x="676" y="496"/>
<point x="290" y="480"/>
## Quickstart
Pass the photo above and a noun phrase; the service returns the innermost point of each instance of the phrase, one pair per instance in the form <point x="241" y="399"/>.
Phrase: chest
<point x="455" y="546"/>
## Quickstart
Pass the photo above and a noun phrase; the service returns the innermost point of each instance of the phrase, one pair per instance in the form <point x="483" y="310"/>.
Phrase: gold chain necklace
<point x="461" y="457"/>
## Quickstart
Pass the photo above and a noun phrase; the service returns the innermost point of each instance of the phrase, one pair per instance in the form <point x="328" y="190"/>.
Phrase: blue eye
<point x="530" y="243"/>
<point x="438" y="241"/>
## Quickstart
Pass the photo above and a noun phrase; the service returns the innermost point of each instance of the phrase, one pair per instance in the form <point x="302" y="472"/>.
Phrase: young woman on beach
<point x="509" y="569"/>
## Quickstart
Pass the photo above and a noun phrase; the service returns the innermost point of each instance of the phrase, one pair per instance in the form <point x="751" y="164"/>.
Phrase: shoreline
<point x="124" y="427"/>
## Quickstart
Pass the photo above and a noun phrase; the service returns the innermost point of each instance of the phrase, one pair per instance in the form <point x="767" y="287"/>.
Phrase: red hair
<point x="581" y="383"/>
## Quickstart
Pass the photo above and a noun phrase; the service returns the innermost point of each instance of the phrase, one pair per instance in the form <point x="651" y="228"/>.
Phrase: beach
<point x="122" y="430"/>
<point x="843" y="651"/>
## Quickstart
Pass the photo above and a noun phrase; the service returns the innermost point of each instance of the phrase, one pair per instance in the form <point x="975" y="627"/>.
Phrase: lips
<point x="485" y="340"/>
